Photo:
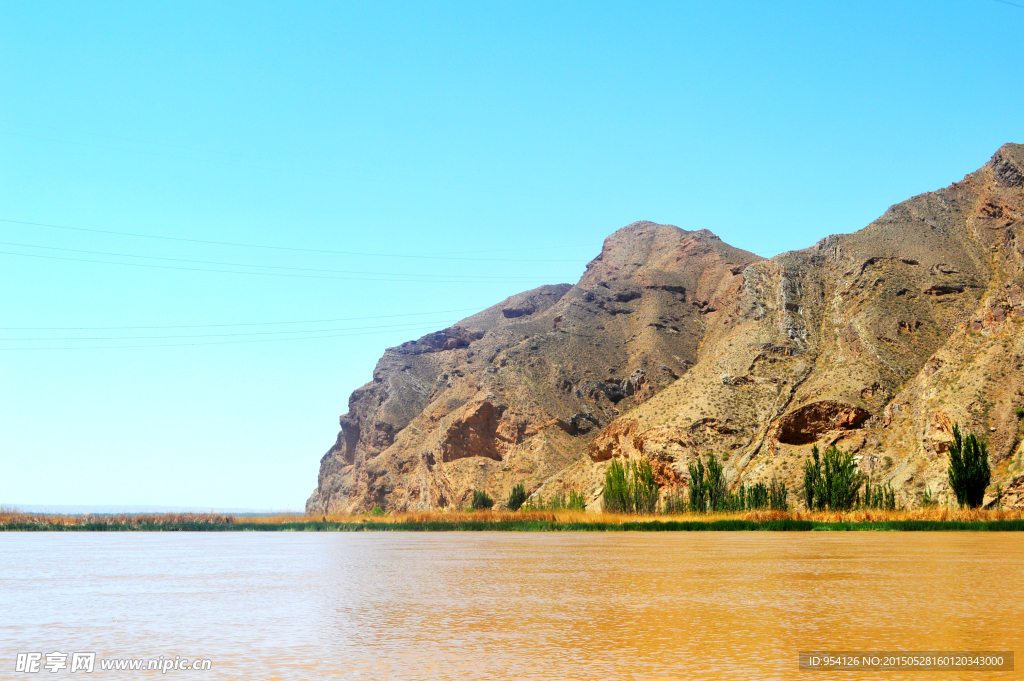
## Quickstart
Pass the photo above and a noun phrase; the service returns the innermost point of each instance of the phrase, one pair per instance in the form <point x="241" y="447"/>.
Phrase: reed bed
<point x="11" y="518"/>
<point x="558" y="520"/>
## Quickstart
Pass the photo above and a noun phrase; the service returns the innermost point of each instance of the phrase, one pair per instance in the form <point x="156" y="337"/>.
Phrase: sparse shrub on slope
<point x="969" y="470"/>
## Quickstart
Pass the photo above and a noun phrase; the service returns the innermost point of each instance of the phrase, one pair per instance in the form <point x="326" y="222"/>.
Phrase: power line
<point x="182" y="345"/>
<point x="250" y="163"/>
<point x="213" y="326"/>
<point x="275" y="248"/>
<point x="226" y="335"/>
<point x="236" y="264"/>
<point x="261" y="274"/>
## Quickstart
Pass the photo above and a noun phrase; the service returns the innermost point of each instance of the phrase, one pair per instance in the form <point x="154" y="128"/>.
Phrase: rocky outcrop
<point x="673" y="344"/>
<point x="481" y="430"/>
<point x="807" y="424"/>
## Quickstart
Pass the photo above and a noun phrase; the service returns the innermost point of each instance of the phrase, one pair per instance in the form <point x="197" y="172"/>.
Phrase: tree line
<point x="831" y="481"/>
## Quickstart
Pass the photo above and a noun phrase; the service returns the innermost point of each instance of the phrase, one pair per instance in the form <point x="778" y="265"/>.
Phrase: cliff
<point x="674" y="344"/>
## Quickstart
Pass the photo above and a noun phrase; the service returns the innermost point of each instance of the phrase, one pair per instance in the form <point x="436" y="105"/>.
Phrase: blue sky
<point x="392" y="167"/>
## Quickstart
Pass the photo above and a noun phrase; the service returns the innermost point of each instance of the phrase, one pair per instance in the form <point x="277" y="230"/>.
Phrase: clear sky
<point x="409" y="163"/>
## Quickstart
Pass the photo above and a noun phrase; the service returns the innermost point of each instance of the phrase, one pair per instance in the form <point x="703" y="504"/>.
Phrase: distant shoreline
<point x="932" y="520"/>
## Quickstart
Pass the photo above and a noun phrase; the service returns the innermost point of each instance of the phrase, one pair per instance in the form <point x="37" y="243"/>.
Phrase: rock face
<point x="674" y="344"/>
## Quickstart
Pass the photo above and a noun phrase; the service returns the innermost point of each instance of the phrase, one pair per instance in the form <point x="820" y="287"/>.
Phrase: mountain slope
<point x="674" y="344"/>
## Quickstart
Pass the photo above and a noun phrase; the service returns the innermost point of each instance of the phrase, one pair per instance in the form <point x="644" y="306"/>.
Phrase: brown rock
<point x="807" y="424"/>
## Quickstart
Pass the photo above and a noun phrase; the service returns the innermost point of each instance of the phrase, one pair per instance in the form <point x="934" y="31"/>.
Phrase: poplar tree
<point x="969" y="470"/>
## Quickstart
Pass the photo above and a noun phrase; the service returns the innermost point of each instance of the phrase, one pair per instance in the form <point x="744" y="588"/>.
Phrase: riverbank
<point x="922" y="520"/>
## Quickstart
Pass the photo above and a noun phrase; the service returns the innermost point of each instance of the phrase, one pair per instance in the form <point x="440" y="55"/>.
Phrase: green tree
<point x="714" y="481"/>
<point x="516" y="498"/>
<point x="481" y="500"/>
<point x="812" y="478"/>
<point x="757" y="497"/>
<point x="832" y="481"/>
<point x="777" y="496"/>
<point x="616" y="493"/>
<point x="698" y="492"/>
<point x="708" y="490"/>
<point x="645" y="487"/>
<point x="630" y="488"/>
<point x="969" y="470"/>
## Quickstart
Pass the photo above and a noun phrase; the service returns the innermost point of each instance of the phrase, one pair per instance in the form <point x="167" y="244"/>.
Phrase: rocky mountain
<point x="674" y="344"/>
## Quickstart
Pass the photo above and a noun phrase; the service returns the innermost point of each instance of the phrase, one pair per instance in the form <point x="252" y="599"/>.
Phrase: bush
<point x="557" y="502"/>
<point x="1019" y="411"/>
<point x="516" y="498"/>
<point x="481" y="500"/>
<point x="882" y="497"/>
<point x="757" y="497"/>
<point x="377" y="511"/>
<point x="778" y="496"/>
<point x="928" y="500"/>
<point x="576" y="501"/>
<point x="831" y="482"/>
<point x="675" y="503"/>
<point x="969" y="470"/>
<point x="630" y="488"/>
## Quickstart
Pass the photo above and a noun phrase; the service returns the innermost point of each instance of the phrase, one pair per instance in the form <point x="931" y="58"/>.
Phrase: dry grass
<point x="12" y="518"/>
<point x="565" y="516"/>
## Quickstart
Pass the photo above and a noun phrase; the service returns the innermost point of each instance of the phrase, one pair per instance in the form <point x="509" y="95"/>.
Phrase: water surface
<point x="731" y="605"/>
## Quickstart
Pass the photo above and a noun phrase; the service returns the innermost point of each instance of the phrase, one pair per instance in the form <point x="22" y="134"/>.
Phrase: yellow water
<point x="508" y="605"/>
